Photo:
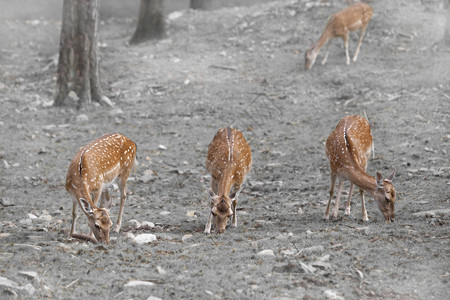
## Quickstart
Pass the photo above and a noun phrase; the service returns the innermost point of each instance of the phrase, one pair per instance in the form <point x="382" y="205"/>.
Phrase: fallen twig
<point x="223" y="67"/>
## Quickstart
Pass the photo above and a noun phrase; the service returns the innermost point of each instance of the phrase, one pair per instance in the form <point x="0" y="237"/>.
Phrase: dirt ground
<point x="240" y="67"/>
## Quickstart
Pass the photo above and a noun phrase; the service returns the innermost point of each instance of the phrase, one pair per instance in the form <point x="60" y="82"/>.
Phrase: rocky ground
<point x="240" y="67"/>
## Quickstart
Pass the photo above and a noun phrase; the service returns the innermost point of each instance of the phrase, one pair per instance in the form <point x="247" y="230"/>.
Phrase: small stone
<point x="29" y="274"/>
<point x="332" y="295"/>
<point x="82" y="118"/>
<point x="267" y="252"/>
<point x="190" y="213"/>
<point x="135" y="223"/>
<point x="130" y="236"/>
<point x="134" y="283"/>
<point x="160" y="270"/>
<point x="153" y="298"/>
<point x="162" y="147"/>
<point x="106" y="101"/>
<point x="4" y="234"/>
<point x="116" y="112"/>
<point x="364" y="230"/>
<point x="6" y="201"/>
<point x="186" y="237"/>
<point x="147" y="224"/>
<point x="165" y="213"/>
<point x="45" y="217"/>
<point x="144" y="238"/>
<point x="73" y="96"/>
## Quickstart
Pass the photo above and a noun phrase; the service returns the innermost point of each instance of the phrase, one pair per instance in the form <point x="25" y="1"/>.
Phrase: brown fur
<point x="101" y="161"/>
<point x="348" y="149"/>
<point x="228" y="160"/>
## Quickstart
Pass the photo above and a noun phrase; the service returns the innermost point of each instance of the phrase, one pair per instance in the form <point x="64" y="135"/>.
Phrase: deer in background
<point x="229" y="160"/>
<point x="102" y="161"/>
<point x="356" y="16"/>
<point x="348" y="149"/>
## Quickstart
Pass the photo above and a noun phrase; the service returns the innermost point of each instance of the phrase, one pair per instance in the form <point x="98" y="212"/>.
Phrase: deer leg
<point x="233" y="207"/>
<point x="96" y="195"/>
<point x="349" y="200"/>
<point x="208" y="224"/>
<point x="338" y="198"/>
<point x="363" y="206"/>
<point x="123" y="197"/>
<point x="345" y="37"/>
<point x="324" y="60"/>
<point x="326" y="216"/>
<point x="361" y="36"/>
<point x="105" y="198"/>
<point x="74" y="216"/>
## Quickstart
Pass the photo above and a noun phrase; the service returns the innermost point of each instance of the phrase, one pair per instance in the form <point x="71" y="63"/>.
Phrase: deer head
<point x="98" y="219"/>
<point x="221" y="209"/>
<point x="385" y="196"/>
<point x="310" y="58"/>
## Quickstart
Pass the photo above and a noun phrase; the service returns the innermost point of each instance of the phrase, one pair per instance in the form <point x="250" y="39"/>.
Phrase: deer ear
<point x="86" y="206"/>
<point x="211" y="193"/>
<point x="108" y="205"/>
<point x="235" y="194"/>
<point x="379" y="179"/>
<point x="392" y="175"/>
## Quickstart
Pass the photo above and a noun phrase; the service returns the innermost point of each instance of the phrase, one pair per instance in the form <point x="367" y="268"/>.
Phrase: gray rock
<point x="6" y="201"/>
<point x="81" y="118"/>
<point x="144" y="238"/>
<point x="267" y="252"/>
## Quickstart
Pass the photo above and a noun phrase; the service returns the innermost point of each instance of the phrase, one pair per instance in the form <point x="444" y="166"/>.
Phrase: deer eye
<point x="97" y="226"/>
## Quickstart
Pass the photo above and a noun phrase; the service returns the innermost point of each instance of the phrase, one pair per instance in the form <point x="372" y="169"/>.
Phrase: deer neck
<point x="324" y="37"/>
<point x="225" y="182"/>
<point x="361" y="179"/>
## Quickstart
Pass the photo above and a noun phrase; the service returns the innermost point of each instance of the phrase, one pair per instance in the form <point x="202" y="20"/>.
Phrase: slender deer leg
<point x="105" y="198"/>
<point x="208" y="224"/>
<point x="326" y="216"/>
<point x="234" y="204"/>
<point x="123" y="197"/>
<point x="324" y="60"/>
<point x="74" y="216"/>
<point x="96" y="195"/>
<point x="345" y="37"/>
<point x="349" y="200"/>
<point x="338" y="198"/>
<point x="361" y="36"/>
<point x="363" y="206"/>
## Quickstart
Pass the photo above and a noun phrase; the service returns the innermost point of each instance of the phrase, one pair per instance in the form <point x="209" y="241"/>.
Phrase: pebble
<point x="267" y="252"/>
<point x="130" y="236"/>
<point x="6" y="201"/>
<point x="144" y="238"/>
<point x="160" y="270"/>
<point x="162" y="147"/>
<point x="164" y="213"/>
<point x="153" y="298"/>
<point x="364" y="230"/>
<point x="106" y="101"/>
<point x="135" y="223"/>
<point x="82" y="118"/>
<point x="190" y="213"/>
<point x="134" y="283"/>
<point x="186" y="237"/>
<point x="29" y="274"/>
<point x="332" y="295"/>
<point x="148" y="224"/>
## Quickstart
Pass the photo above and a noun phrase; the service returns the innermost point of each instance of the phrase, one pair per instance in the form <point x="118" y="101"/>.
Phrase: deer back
<point x="349" y="19"/>
<point x="229" y="158"/>
<point x="100" y="161"/>
<point x="349" y="145"/>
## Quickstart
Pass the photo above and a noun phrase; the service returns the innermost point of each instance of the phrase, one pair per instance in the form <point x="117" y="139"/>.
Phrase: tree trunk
<point x="200" y="4"/>
<point x="447" y="24"/>
<point x="78" y="69"/>
<point x="150" y="22"/>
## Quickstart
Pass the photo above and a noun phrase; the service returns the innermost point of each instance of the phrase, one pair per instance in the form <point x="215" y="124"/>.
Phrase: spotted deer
<point x="229" y="160"/>
<point x="354" y="17"/>
<point x="102" y="161"/>
<point x="348" y="149"/>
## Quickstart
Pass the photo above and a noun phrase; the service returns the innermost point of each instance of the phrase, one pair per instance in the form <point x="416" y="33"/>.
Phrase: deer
<point x="348" y="149"/>
<point x="354" y="17"/>
<point x="229" y="160"/>
<point x="110" y="157"/>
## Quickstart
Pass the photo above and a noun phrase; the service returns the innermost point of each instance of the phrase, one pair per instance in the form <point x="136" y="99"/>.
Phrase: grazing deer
<point x="229" y="160"/>
<point x="101" y="161"/>
<point x="348" y="148"/>
<point x="356" y="16"/>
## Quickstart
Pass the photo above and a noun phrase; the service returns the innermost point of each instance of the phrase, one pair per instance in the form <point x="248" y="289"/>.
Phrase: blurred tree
<point x="150" y="21"/>
<point x="447" y="24"/>
<point x="200" y="4"/>
<point x="78" y="53"/>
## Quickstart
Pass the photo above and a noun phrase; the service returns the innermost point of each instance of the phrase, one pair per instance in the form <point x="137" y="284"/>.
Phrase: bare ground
<point x="240" y="67"/>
